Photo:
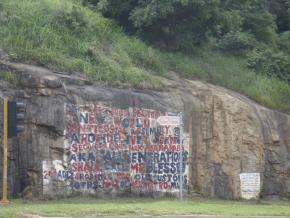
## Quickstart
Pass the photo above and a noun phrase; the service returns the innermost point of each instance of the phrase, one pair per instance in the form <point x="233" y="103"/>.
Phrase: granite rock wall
<point x="228" y="134"/>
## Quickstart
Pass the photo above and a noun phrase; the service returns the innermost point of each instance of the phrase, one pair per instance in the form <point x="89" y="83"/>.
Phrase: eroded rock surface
<point x="228" y="133"/>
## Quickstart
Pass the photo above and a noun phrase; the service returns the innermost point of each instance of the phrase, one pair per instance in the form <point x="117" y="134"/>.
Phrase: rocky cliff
<point x="228" y="134"/>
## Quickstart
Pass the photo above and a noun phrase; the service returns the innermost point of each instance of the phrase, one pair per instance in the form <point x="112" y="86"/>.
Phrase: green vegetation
<point x="7" y="76"/>
<point x="258" y="29"/>
<point x="65" y="35"/>
<point x="189" y="23"/>
<point x="79" y="207"/>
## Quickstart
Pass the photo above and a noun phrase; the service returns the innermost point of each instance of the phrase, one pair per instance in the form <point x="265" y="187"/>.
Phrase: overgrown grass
<point x="231" y="72"/>
<point x="64" y="35"/>
<point x="80" y="207"/>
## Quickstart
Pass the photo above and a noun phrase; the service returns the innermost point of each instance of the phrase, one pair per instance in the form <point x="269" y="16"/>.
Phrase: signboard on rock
<point x="168" y="120"/>
<point x="250" y="185"/>
<point x="114" y="150"/>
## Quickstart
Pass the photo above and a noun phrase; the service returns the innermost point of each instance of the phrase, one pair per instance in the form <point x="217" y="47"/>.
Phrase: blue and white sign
<point x="250" y="185"/>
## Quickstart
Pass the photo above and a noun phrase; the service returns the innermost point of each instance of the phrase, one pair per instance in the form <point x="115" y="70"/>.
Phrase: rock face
<point x="228" y="134"/>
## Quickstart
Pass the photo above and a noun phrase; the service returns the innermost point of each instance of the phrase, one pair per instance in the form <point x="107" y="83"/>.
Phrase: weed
<point x="7" y="76"/>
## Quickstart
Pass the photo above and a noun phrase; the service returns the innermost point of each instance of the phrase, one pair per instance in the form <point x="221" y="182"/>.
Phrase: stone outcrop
<point x="228" y="133"/>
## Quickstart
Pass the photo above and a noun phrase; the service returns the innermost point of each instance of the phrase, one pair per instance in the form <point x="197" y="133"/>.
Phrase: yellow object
<point x="5" y="154"/>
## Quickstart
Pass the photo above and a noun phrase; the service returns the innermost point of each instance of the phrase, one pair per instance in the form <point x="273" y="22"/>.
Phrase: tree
<point x="183" y="24"/>
<point x="179" y="23"/>
<point x="281" y="10"/>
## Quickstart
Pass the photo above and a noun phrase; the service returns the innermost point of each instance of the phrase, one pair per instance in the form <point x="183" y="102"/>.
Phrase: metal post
<point x="181" y="158"/>
<point x="5" y="154"/>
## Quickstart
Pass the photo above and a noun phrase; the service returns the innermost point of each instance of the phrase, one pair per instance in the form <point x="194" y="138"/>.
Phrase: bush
<point x="270" y="62"/>
<point x="237" y="42"/>
<point x="74" y="19"/>
<point x="262" y="25"/>
<point x="284" y="41"/>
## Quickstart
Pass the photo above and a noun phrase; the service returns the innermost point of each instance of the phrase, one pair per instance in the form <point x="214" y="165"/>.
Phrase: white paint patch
<point x="250" y="185"/>
<point x="49" y="172"/>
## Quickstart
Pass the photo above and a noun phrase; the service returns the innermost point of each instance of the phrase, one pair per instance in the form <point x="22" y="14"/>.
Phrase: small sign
<point x="250" y="185"/>
<point x="169" y="120"/>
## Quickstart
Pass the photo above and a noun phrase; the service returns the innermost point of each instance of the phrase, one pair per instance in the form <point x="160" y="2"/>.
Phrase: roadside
<point x="165" y="216"/>
<point x="88" y="207"/>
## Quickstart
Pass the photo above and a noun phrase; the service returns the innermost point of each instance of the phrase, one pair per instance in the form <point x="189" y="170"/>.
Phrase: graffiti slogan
<point x="122" y="150"/>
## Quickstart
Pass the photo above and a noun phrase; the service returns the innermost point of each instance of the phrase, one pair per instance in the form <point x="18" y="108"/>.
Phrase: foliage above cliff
<point x="67" y="36"/>
<point x="259" y="29"/>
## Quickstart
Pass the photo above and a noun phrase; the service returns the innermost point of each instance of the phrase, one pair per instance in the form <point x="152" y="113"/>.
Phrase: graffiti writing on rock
<point x="123" y="150"/>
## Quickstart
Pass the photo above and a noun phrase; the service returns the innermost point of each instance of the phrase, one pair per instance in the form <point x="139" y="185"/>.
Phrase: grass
<point x="64" y="35"/>
<point x="80" y="207"/>
<point x="7" y="76"/>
